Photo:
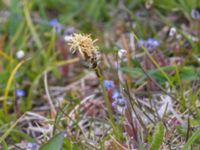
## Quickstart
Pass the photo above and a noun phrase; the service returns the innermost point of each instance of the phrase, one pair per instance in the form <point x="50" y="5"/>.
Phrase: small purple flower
<point x="57" y="27"/>
<point x="153" y="42"/>
<point x="69" y="31"/>
<point x="121" y="102"/>
<point x="120" y="105"/>
<point x="114" y="104"/>
<point x="108" y="84"/>
<point x="68" y="34"/>
<point x="141" y="42"/>
<point x="54" y="22"/>
<point x="150" y="44"/>
<point x="195" y="13"/>
<point x="32" y="146"/>
<point x="115" y="94"/>
<point x="20" y="92"/>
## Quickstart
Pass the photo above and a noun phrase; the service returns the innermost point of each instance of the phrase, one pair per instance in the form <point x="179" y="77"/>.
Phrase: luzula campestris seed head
<point x="85" y="46"/>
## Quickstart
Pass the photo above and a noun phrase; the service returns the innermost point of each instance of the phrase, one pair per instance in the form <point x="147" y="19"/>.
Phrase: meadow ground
<point x="97" y="74"/>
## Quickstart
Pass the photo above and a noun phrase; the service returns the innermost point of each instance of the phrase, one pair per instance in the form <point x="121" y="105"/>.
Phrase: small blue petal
<point x="195" y="14"/>
<point x="69" y="31"/>
<point x="153" y="42"/>
<point x="53" y="22"/>
<point x="114" y="104"/>
<point x="141" y="42"/>
<point x="115" y="94"/>
<point x="20" y="92"/>
<point x="121" y="102"/>
<point x="149" y="44"/>
<point x="108" y="84"/>
<point x="32" y="146"/>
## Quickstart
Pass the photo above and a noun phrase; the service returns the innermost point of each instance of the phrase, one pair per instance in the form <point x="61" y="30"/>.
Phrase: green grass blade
<point x="31" y="26"/>
<point x="4" y="145"/>
<point x="192" y="139"/>
<point x="157" y="137"/>
<point x="9" y="84"/>
<point x="3" y="137"/>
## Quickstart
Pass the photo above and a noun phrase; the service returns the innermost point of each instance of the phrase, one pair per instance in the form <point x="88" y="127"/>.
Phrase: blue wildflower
<point x="118" y="100"/>
<point x="57" y="27"/>
<point x="121" y="102"/>
<point x="115" y="94"/>
<point x="53" y="22"/>
<point x="141" y="42"/>
<point x="195" y="13"/>
<point x="32" y="146"/>
<point x="69" y="31"/>
<point x="20" y="92"/>
<point x="150" y="44"/>
<point x="108" y="84"/>
<point x="114" y="104"/>
<point x="153" y="42"/>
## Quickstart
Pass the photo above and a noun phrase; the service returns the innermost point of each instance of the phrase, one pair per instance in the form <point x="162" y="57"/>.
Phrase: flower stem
<point x="106" y="98"/>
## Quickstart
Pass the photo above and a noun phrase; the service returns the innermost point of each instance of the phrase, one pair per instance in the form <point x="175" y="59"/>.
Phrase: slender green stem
<point x="106" y="98"/>
<point x="116" y="129"/>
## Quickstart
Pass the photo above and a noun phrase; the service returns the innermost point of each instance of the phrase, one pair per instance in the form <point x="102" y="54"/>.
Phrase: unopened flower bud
<point x="122" y="53"/>
<point x="172" y="31"/>
<point x="67" y="38"/>
<point x="20" y="54"/>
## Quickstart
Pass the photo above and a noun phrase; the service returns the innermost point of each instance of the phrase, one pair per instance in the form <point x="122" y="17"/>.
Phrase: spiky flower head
<point x="84" y="44"/>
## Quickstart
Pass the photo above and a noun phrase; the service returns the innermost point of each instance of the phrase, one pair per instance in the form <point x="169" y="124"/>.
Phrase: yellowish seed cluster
<point x="84" y="44"/>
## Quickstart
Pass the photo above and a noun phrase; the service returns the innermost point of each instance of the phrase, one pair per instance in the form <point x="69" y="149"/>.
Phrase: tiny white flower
<point x="122" y="53"/>
<point x="178" y="36"/>
<point x="20" y="54"/>
<point x="67" y="38"/>
<point x="120" y="109"/>
<point x="193" y="38"/>
<point x="149" y="4"/>
<point x="172" y="31"/>
<point x="198" y="59"/>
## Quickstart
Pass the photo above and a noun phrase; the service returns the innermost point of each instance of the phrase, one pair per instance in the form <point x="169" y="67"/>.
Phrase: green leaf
<point x="54" y="143"/>
<point x="4" y="145"/>
<point x="157" y="137"/>
<point x="67" y="145"/>
<point x="166" y="5"/>
<point x="192" y="139"/>
<point x="96" y="9"/>
<point x="188" y="74"/>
